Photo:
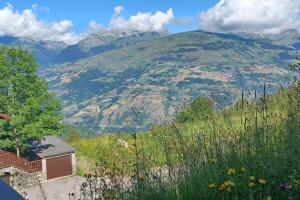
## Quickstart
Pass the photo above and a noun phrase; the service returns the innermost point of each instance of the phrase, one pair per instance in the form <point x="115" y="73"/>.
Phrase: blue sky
<point x="72" y="20"/>
<point x="80" y="12"/>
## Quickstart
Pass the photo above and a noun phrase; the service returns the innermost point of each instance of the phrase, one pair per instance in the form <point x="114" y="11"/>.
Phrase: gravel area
<point x="57" y="189"/>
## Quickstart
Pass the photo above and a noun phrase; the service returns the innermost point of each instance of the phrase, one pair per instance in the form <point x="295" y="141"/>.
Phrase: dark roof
<point x="5" y="116"/>
<point x="50" y="146"/>
<point x="6" y="192"/>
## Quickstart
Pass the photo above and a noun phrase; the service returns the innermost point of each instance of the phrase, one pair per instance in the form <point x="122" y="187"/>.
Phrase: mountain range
<point x="44" y="51"/>
<point x="118" y="81"/>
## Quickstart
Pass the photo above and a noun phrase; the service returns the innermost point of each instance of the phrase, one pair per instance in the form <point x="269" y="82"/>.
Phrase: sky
<point x="72" y="20"/>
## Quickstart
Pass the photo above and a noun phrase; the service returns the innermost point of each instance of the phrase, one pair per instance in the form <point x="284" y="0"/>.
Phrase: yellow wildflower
<point x="251" y="185"/>
<point x="212" y="186"/>
<point x="231" y="171"/>
<point x="269" y="198"/>
<point x="142" y="178"/>
<point x="252" y="178"/>
<point x="243" y="169"/>
<point x="222" y="187"/>
<point x="227" y="185"/>
<point x="213" y="161"/>
<point x="262" y="181"/>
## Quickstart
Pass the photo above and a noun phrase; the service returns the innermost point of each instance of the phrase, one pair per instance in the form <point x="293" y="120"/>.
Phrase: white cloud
<point x="142" y="21"/>
<point x="26" y="24"/>
<point x="94" y="27"/>
<point x="183" y="20"/>
<point x="252" y="16"/>
<point x="118" y="10"/>
<point x="35" y="7"/>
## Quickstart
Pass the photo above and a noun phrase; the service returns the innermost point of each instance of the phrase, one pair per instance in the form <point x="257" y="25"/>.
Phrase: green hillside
<point x="247" y="151"/>
<point x="155" y="74"/>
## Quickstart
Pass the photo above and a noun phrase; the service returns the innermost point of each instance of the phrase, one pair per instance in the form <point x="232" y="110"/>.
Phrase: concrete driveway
<point x="57" y="189"/>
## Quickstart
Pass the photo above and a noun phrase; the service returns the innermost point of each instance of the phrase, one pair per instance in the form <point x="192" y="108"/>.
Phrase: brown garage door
<point x="59" y="167"/>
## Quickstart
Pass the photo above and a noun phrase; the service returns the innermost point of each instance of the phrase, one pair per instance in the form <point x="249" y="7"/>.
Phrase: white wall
<point x="74" y="163"/>
<point x="44" y="168"/>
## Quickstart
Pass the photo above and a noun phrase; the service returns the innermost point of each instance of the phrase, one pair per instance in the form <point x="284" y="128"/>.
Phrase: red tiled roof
<point x="5" y="116"/>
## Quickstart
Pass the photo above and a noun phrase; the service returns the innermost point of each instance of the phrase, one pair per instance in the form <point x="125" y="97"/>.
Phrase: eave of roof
<point x="51" y="146"/>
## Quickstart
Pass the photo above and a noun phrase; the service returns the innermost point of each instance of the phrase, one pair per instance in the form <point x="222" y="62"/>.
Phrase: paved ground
<point x="57" y="189"/>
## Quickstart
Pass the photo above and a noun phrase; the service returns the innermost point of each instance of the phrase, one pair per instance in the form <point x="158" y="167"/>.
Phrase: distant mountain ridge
<point x="97" y="43"/>
<point x="103" y="78"/>
<point x="44" y="51"/>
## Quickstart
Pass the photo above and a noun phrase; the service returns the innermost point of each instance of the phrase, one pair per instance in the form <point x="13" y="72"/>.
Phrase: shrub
<point x="201" y="109"/>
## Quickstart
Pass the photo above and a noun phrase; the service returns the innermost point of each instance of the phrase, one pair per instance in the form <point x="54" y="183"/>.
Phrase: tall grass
<point x="248" y="151"/>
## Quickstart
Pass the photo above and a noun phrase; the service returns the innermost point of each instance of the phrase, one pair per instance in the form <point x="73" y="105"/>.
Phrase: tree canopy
<point x="200" y="109"/>
<point x="24" y="95"/>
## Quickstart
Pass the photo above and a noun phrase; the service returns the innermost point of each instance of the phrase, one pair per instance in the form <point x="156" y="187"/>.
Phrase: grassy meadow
<point x="248" y="151"/>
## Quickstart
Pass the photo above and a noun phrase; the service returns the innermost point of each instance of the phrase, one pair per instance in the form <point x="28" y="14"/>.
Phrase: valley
<point x="105" y="79"/>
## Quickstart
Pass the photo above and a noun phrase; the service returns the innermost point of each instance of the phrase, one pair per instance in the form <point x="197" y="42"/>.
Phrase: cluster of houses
<point x="51" y="158"/>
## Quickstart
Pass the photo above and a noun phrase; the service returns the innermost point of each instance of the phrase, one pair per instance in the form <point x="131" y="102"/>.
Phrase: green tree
<point x="24" y="95"/>
<point x="200" y="109"/>
<point x="73" y="136"/>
